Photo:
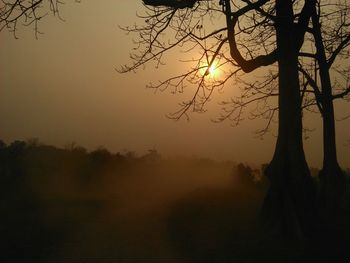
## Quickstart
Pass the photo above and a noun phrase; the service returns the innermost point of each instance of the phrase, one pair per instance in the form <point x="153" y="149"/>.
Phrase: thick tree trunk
<point x="289" y="203"/>
<point x="332" y="179"/>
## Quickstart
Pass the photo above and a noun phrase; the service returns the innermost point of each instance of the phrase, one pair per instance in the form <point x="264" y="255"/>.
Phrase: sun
<point x="211" y="71"/>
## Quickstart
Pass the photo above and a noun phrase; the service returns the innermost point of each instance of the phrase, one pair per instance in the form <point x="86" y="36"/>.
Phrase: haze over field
<point x="63" y="88"/>
<point x="67" y="205"/>
<point x="226" y="138"/>
<point x="72" y="206"/>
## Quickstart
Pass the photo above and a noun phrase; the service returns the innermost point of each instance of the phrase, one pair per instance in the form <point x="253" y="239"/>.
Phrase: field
<point x="141" y="210"/>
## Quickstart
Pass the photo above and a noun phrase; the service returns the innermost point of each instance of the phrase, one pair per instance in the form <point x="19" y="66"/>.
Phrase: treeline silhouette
<point x="73" y="205"/>
<point x="49" y="194"/>
<point x="22" y="159"/>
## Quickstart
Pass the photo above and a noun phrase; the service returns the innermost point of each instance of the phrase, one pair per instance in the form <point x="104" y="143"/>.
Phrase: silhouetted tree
<point x="256" y="34"/>
<point x="12" y="167"/>
<point x="2" y="144"/>
<point x="3" y="161"/>
<point x="99" y="158"/>
<point x="331" y="40"/>
<point x="171" y="3"/>
<point x="151" y="156"/>
<point x="244" y="174"/>
<point x="15" y="13"/>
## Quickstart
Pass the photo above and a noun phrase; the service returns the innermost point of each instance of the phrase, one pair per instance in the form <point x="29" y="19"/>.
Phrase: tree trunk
<point x="289" y="203"/>
<point x="332" y="179"/>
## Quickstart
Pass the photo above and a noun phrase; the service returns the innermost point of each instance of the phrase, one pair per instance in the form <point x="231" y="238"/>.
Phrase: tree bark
<point x="289" y="203"/>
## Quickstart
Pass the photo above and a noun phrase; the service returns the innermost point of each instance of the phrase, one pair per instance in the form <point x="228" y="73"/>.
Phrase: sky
<point x="63" y="88"/>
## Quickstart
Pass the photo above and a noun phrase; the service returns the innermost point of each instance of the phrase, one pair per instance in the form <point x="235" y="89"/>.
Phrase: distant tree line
<point x="24" y="158"/>
<point x="32" y="158"/>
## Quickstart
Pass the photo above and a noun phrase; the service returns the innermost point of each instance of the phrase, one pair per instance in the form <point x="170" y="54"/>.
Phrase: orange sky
<point x="64" y="88"/>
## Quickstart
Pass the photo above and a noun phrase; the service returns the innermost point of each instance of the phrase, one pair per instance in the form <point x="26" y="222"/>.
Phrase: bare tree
<point x="15" y="13"/>
<point x="330" y="37"/>
<point x="246" y="35"/>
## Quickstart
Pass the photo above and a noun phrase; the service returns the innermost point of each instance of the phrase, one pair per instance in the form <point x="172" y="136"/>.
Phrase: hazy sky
<point x="63" y="88"/>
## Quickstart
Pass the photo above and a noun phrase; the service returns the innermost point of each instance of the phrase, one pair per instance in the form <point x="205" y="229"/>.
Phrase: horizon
<point x="35" y="142"/>
<point x="175" y="131"/>
<point x="63" y="87"/>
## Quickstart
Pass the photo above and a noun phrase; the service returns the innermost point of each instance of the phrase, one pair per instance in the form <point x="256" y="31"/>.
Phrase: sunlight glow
<point x="211" y="72"/>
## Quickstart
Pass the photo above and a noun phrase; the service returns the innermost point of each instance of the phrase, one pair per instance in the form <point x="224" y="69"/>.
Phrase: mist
<point x="71" y="205"/>
<point x="112" y="152"/>
<point x="65" y="88"/>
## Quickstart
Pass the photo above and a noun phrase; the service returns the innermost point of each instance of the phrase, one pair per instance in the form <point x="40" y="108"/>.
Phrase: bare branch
<point x="26" y="13"/>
